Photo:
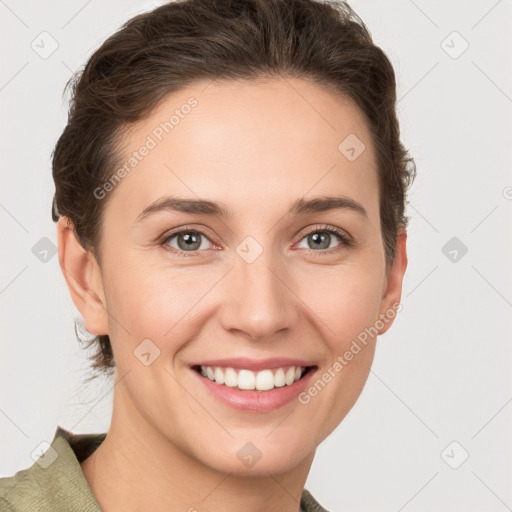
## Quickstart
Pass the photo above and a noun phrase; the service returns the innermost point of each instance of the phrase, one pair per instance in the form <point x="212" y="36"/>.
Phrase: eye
<point x="191" y="241"/>
<point x="187" y="240"/>
<point x="321" y="238"/>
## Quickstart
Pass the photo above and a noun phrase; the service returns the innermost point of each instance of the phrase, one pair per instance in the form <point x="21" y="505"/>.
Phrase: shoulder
<point x="12" y="487"/>
<point x="6" y="484"/>
<point x="55" y="481"/>
<point x="309" y="504"/>
<point x="4" y="505"/>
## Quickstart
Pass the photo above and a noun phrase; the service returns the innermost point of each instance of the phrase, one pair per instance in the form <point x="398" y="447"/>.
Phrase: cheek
<point x="156" y="301"/>
<point x="347" y="308"/>
<point x="345" y="302"/>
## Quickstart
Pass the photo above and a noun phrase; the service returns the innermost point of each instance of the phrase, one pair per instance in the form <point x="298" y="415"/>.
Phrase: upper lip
<point x="254" y="364"/>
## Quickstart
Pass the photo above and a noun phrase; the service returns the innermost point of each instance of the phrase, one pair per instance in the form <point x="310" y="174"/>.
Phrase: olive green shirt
<point x="56" y="483"/>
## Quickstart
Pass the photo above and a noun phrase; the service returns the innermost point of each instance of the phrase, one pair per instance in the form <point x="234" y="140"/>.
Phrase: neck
<point x="137" y="468"/>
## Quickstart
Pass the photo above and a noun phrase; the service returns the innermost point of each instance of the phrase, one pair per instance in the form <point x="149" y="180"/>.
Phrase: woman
<point x="230" y="196"/>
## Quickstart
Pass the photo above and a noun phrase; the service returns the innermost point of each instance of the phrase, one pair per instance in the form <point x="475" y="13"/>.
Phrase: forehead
<point x="249" y="142"/>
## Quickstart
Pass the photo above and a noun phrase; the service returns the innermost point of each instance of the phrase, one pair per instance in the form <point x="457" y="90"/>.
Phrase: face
<point x="265" y="278"/>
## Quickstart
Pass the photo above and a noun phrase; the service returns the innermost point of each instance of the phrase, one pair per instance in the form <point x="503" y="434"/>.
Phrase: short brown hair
<point x="163" y="50"/>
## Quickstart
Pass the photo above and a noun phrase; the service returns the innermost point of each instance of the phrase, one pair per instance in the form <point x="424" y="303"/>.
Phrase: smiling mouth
<point x="248" y="380"/>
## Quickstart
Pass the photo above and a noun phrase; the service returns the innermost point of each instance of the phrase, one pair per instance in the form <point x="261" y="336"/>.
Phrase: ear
<point x="392" y="290"/>
<point x="83" y="277"/>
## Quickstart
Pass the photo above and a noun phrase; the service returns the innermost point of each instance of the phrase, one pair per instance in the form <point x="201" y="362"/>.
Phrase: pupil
<point x="322" y="238"/>
<point x="190" y="240"/>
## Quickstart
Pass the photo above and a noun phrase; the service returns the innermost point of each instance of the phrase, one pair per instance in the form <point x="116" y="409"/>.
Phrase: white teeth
<point x="219" y="376"/>
<point x="289" y="376"/>
<point x="230" y="378"/>
<point x="246" y="379"/>
<point x="263" y="380"/>
<point x="279" y="378"/>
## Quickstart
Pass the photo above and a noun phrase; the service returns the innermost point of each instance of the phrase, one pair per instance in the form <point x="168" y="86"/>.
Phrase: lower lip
<point x="256" y="401"/>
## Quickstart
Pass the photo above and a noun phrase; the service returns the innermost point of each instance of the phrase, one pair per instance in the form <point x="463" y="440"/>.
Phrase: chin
<point x="258" y="458"/>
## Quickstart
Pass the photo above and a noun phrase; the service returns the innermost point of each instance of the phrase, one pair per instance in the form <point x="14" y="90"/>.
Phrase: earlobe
<point x="83" y="277"/>
<point x="393" y="287"/>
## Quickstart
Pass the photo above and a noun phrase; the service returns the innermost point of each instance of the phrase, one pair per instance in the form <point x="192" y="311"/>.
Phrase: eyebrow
<point x="219" y="209"/>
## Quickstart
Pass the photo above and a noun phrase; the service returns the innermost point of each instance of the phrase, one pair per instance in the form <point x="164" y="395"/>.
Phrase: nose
<point x="258" y="299"/>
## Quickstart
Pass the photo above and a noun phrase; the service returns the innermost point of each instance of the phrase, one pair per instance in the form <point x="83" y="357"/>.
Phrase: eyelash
<point x="346" y="242"/>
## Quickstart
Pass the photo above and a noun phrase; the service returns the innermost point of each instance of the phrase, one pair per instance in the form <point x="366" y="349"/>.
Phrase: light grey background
<point x="441" y="374"/>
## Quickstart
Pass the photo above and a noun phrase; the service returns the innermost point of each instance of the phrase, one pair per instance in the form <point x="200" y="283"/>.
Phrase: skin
<point x="257" y="147"/>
